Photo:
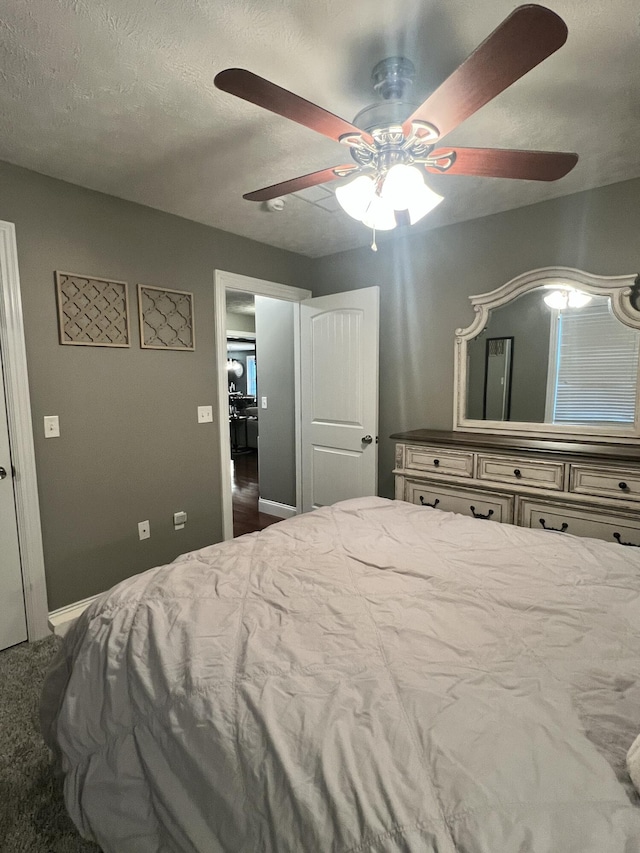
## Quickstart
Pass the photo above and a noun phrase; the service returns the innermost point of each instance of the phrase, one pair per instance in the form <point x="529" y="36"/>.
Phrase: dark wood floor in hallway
<point x="244" y="482"/>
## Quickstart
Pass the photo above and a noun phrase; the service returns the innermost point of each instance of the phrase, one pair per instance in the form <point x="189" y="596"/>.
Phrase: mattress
<point x="371" y="676"/>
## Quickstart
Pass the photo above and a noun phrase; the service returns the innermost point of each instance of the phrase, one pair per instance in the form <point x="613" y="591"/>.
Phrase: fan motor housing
<point x="392" y="79"/>
<point x="383" y="114"/>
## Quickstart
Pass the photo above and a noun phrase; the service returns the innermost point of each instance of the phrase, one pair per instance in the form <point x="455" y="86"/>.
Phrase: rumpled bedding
<point x="372" y="676"/>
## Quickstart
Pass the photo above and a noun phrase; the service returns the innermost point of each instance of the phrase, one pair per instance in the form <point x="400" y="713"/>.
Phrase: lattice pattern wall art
<point x="92" y="311"/>
<point x="166" y="318"/>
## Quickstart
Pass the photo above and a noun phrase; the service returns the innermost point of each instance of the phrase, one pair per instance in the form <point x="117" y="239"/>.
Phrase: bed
<point x="372" y="676"/>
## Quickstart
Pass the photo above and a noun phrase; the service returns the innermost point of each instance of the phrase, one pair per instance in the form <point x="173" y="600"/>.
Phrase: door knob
<point x="367" y="439"/>
<point x="3" y="473"/>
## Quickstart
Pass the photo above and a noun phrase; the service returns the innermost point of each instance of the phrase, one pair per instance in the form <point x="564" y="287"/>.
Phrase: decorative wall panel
<point x="166" y="318"/>
<point x="92" y="311"/>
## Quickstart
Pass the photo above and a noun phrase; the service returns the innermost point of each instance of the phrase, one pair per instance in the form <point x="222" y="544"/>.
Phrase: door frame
<point x="18" y="403"/>
<point x="224" y="281"/>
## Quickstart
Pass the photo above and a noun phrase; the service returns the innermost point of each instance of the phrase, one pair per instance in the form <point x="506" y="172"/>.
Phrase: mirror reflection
<point x="555" y="355"/>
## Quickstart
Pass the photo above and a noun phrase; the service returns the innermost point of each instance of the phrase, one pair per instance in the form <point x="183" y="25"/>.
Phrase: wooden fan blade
<point x="529" y="35"/>
<point x="502" y="163"/>
<point x="248" y="86"/>
<point x="301" y="183"/>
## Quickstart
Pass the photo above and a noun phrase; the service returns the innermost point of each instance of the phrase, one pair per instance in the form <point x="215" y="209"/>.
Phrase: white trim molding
<point x="60" y="620"/>
<point x="224" y="281"/>
<point x="623" y="292"/>
<point x="277" y="509"/>
<point x="16" y="380"/>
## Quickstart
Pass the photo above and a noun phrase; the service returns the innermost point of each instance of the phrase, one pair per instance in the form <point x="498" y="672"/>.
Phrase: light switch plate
<point x="51" y="426"/>
<point x="263" y="402"/>
<point x="205" y="414"/>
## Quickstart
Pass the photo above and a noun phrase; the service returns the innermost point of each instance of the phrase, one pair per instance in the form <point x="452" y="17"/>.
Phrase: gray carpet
<point x="33" y="818"/>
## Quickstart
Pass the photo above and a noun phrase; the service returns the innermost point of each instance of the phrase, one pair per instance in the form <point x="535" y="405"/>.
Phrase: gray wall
<point x="425" y="280"/>
<point x="130" y="447"/>
<point x="276" y="423"/>
<point x="240" y="322"/>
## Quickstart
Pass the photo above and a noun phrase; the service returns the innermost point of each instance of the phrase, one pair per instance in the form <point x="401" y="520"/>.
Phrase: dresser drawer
<point x="526" y="472"/>
<point x="605" y="482"/>
<point x="579" y="521"/>
<point x="472" y="502"/>
<point x="456" y="462"/>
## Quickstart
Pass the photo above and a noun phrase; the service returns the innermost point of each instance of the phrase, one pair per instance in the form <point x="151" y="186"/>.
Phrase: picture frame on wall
<point x="166" y="318"/>
<point x="92" y="311"/>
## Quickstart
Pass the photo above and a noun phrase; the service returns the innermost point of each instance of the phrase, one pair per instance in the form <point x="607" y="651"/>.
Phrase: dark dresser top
<point x="618" y="452"/>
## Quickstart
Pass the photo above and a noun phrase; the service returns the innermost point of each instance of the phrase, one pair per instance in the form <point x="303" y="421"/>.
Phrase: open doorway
<point x="321" y="401"/>
<point x="242" y="386"/>
<point x="256" y="490"/>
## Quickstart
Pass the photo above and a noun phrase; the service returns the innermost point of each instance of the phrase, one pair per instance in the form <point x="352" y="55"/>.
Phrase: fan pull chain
<point x="374" y="248"/>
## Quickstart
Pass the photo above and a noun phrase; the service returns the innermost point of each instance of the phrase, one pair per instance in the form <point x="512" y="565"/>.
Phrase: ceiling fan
<point x="392" y="142"/>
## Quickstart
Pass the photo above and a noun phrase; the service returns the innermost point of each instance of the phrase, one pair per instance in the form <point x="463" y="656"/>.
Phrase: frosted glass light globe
<point x="356" y="196"/>
<point x="401" y="185"/>
<point x="578" y="299"/>
<point x="404" y="188"/>
<point x="380" y="215"/>
<point x="557" y="299"/>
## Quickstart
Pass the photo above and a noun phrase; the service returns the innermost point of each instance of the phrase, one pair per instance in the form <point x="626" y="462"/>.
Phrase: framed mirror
<point x="555" y="351"/>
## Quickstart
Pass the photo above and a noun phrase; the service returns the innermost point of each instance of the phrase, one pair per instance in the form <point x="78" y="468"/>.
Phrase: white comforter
<point x="372" y="676"/>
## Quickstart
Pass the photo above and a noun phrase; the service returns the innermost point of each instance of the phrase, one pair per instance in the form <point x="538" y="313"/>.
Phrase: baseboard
<point x="277" y="509"/>
<point x="60" y="620"/>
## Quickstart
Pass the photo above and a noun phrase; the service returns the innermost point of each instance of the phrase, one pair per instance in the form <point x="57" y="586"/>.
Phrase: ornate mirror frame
<point x="624" y="291"/>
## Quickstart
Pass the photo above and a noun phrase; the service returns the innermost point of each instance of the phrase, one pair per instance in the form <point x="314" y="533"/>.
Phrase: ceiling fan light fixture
<point x="380" y="215"/>
<point x="557" y="299"/>
<point x="400" y="185"/>
<point x="578" y="299"/>
<point x="360" y="199"/>
<point x="394" y="133"/>
<point x="356" y="196"/>
<point x="424" y="202"/>
<point x="567" y="297"/>
<point x="404" y="188"/>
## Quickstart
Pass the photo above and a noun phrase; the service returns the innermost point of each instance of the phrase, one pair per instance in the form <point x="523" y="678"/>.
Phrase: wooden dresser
<point x="578" y="487"/>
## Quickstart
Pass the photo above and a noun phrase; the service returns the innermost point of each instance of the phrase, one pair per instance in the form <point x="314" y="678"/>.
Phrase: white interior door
<point x="13" y="622"/>
<point x="339" y="406"/>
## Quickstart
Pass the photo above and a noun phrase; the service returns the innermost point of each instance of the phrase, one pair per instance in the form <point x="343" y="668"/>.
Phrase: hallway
<point x="245" y="493"/>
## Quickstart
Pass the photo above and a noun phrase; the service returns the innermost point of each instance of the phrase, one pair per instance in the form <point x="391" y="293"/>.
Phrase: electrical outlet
<point x="144" y="530"/>
<point x="205" y="414"/>
<point x="51" y="426"/>
<point x="179" y="520"/>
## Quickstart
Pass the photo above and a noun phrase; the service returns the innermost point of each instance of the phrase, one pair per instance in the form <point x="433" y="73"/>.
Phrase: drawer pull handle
<point x="436" y="462"/>
<point x="618" y="538"/>
<point x="622" y="485"/>
<point x="479" y="514"/>
<point x="426" y="503"/>
<point x="517" y="472"/>
<point x="560" y="529"/>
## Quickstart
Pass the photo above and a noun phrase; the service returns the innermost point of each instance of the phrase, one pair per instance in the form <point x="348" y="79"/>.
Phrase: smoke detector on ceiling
<point x="275" y="205"/>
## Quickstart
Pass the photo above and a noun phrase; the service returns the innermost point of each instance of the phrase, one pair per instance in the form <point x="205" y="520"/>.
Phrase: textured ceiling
<point x="118" y="96"/>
